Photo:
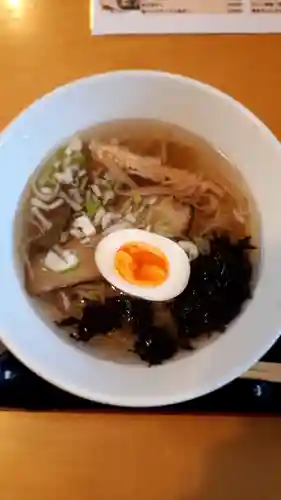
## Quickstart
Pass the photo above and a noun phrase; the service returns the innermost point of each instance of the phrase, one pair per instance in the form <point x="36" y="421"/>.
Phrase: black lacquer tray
<point x="20" y="388"/>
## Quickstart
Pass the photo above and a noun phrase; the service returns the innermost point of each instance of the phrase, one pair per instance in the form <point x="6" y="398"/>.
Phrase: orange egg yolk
<point x="141" y="264"/>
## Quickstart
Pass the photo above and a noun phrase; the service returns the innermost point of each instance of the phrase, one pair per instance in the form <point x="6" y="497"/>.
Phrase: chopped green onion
<point x="46" y="176"/>
<point x="59" y="154"/>
<point x="92" y="205"/>
<point x="73" y="268"/>
<point x="77" y="157"/>
<point x="61" y="263"/>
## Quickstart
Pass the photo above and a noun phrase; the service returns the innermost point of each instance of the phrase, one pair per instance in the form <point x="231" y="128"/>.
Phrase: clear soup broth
<point x="152" y="176"/>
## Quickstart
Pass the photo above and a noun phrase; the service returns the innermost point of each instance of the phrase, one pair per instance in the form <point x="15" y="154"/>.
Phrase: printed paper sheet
<point x="186" y="16"/>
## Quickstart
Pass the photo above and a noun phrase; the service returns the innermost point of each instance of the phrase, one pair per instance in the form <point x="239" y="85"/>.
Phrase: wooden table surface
<point x="45" y="43"/>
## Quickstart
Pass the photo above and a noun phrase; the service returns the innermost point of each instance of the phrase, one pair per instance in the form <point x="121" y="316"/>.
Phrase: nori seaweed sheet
<point x="220" y="283"/>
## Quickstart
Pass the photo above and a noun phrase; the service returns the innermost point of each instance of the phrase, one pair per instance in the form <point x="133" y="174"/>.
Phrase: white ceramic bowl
<point x="228" y="126"/>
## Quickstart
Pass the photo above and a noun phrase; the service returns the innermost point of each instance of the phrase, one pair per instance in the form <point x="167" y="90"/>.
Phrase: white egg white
<point x="179" y="266"/>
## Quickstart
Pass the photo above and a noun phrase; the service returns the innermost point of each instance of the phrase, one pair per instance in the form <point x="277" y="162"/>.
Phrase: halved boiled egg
<point x="143" y="264"/>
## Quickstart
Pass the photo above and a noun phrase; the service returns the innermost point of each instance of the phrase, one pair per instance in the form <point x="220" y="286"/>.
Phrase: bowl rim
<point x="135" y="401"/>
